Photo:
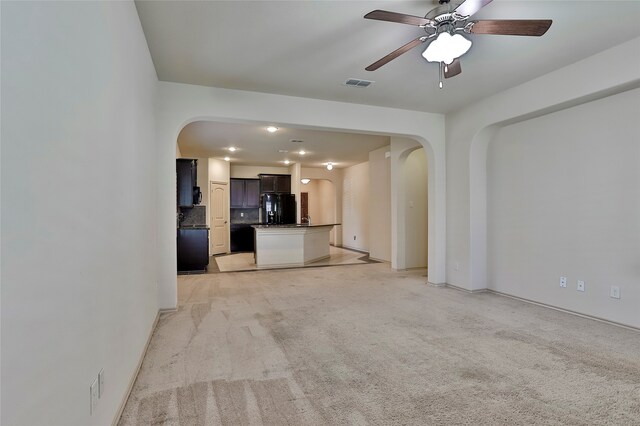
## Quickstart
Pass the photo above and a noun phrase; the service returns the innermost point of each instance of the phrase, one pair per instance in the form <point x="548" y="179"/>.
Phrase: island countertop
<point x="293" y="225"/>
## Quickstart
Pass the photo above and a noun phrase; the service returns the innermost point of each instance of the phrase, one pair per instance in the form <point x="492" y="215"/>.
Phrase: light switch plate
<point x="93" y="396"/>
<point x="580" y="286"/>
<point x="615" y="292"/>
<point x="563" y="282"/>
<point x="101" y="383"/>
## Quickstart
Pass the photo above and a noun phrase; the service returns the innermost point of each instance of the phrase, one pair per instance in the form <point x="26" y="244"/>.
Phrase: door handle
<point x="225" y="221"/>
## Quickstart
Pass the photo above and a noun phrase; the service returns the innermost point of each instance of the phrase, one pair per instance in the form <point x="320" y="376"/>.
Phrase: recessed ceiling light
<point x="227" y="159"/>
<point x="329" y="166"/>
<point x="287" y="161"/>
<point x="232" y="148"/>
<point x="272" y="129"/>
<point x="302" y="152"/>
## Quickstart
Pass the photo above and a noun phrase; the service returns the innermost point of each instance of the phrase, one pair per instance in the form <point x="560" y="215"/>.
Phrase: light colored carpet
<point x="366" y="345"/>
<point x="246" y="262"/>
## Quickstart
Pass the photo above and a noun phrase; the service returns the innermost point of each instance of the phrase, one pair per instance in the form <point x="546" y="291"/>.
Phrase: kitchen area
<point x="262" y="213"/>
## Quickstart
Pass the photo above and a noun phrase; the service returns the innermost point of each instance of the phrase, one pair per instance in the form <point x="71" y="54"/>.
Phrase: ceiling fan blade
<point x="401" y="18"/>
<point x="522" y="27"/>
<point x="391" y="56"/>
<point x="452" y="69"/>
<point x="470" y="7"/>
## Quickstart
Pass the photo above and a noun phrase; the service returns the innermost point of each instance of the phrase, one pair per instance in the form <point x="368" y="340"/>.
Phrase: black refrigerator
<point x="278" y="209"/>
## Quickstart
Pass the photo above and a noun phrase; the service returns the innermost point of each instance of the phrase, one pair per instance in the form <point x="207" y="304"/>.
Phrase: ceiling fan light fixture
<point x="446" y="48"/>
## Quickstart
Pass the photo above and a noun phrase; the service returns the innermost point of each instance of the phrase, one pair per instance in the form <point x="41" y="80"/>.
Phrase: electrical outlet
<point x="563" y="282"/>
<point x="580" y="286"/>
<point x="93" y="396"/>
<point x="615" y="292"/>
<point x="101" y="383"/>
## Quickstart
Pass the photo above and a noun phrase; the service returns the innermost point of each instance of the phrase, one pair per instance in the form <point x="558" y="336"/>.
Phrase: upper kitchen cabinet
<point x="275" y="183"/>
<point x="188" y="192"/>
<point x="245" y="193"/>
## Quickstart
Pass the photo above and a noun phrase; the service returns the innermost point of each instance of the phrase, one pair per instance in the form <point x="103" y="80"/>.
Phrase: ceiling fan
<point x="444" y="26"/>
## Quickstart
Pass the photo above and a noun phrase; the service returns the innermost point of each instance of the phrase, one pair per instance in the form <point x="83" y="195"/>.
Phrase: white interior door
<point x="219" y="218"/>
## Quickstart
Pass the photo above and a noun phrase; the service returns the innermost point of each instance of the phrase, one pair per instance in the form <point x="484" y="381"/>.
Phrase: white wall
<point x="416" y="215"/>
<point x="469" y="131"/>
<point x="355" y="207"/>
<point x="380" y="204"/>
<point x="79" y="208"/>
<point x="564" y="200"/>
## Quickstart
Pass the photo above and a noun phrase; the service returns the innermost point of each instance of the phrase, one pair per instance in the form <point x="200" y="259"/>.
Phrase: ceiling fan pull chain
<point x="441" y="66"/>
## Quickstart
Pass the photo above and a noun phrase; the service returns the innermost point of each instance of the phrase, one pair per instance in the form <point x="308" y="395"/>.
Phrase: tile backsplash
<point x="245" y="215"/>
<point x="196" y="215"/>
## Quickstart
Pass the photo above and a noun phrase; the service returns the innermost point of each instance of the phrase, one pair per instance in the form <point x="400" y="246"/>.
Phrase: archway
<point x="179" y="105"/>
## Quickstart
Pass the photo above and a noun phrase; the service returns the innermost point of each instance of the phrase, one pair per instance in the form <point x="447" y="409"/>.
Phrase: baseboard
<point x="123" y="403"/>
<point x="466" y="290"/>
<point x="359" y="250"/>
<point x="567" y="311"/>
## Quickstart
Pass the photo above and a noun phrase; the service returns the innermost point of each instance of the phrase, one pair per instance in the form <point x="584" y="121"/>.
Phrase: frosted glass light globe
<point x="446" y="47"/>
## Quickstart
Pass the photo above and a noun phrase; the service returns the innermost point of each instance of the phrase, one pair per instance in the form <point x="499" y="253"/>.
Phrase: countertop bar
<point x="295" y="225"/>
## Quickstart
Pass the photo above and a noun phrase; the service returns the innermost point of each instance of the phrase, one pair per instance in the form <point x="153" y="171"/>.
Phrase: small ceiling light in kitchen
<point x="272" y="129"/>
<point x="305" y="181"/>
<point x="302" y="152"/>
<point x="232" y="148"/>
<point x="329" y="166"/>
<point x="287" y="161"/>
<point x="227" y="159"/>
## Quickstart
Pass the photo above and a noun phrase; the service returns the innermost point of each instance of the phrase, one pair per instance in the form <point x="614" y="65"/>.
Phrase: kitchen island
<point x="291" y="245"/>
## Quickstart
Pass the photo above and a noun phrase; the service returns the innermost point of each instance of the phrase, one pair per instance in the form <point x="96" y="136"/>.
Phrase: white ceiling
<point x="256" y="146"/>
<point x="309" y="48"/>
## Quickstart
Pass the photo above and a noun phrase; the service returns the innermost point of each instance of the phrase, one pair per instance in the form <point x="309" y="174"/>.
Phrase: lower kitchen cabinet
<point x="193" y="249"/>
<point x="242" y="238"/>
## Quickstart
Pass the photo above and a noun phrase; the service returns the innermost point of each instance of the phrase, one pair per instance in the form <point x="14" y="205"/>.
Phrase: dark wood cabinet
<point x="280" y="184"/>
<point x="252" y="193"/>
<point x="188" y="192"/>
<point x="245" y="193"/>
<point x="242" y="238"/>
<point x="193" y="249"/>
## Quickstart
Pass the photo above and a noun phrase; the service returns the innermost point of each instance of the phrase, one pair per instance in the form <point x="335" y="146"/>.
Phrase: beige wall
<point x="415" y="209"/>
<point x="178" y="153"/>
<point x="252" y="172"/>
<point x="564" y="200"/>
<point x="355" y="207"/>
<point x="322" y="202"/>
<point x="380" y="204"/>
<point x="334" y="178"/>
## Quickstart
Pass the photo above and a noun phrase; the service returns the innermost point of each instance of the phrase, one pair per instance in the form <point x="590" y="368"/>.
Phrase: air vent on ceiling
<point x="297" y="140"/>
<point x="356" y="82"/>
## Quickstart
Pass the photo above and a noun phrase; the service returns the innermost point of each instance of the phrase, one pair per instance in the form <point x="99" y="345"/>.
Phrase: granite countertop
<point x="295" y="225"/>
